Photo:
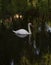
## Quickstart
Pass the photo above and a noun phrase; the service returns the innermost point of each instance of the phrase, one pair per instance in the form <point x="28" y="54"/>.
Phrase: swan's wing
<point x="21" y="31"/>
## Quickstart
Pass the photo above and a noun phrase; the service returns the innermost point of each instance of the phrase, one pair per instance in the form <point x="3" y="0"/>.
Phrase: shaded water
<point x="13" y="47"/>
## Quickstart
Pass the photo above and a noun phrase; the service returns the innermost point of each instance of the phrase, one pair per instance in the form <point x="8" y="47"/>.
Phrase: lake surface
<point x="13" y="47"/>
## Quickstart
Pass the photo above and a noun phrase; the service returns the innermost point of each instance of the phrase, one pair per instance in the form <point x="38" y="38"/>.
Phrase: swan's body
<point x="22" y="32"/>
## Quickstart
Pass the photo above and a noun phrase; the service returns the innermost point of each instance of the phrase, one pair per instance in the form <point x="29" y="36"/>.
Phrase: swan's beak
<point x="32" y="25"/>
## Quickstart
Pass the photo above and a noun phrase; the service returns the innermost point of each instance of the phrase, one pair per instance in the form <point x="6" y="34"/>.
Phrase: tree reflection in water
<point x="11" y="45"/>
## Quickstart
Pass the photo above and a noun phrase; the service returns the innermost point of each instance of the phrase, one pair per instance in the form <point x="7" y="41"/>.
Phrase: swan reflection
<point x="12" y="62"/>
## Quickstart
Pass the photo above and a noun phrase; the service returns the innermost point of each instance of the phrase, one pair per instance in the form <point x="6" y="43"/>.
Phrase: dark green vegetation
<point x="36" y="11"/>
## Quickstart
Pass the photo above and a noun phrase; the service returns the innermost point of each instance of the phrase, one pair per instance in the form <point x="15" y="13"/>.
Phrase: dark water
<point x="13" y="47"/>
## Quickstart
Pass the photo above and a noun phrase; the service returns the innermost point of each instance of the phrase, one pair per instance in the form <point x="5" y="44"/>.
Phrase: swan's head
<point x="29" y="23"/>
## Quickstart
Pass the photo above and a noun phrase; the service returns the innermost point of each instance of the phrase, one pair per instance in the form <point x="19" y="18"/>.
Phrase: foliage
<point x="12" y="6"/>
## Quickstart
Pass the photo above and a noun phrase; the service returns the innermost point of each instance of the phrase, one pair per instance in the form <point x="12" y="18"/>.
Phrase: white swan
<point x="22" y="32"/>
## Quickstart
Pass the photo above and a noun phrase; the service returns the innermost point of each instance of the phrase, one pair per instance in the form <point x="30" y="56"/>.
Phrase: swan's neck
<point x="29" y="29"/>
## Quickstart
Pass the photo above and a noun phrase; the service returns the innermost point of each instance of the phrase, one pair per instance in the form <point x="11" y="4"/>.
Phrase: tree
<point x="13" y="6"/>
